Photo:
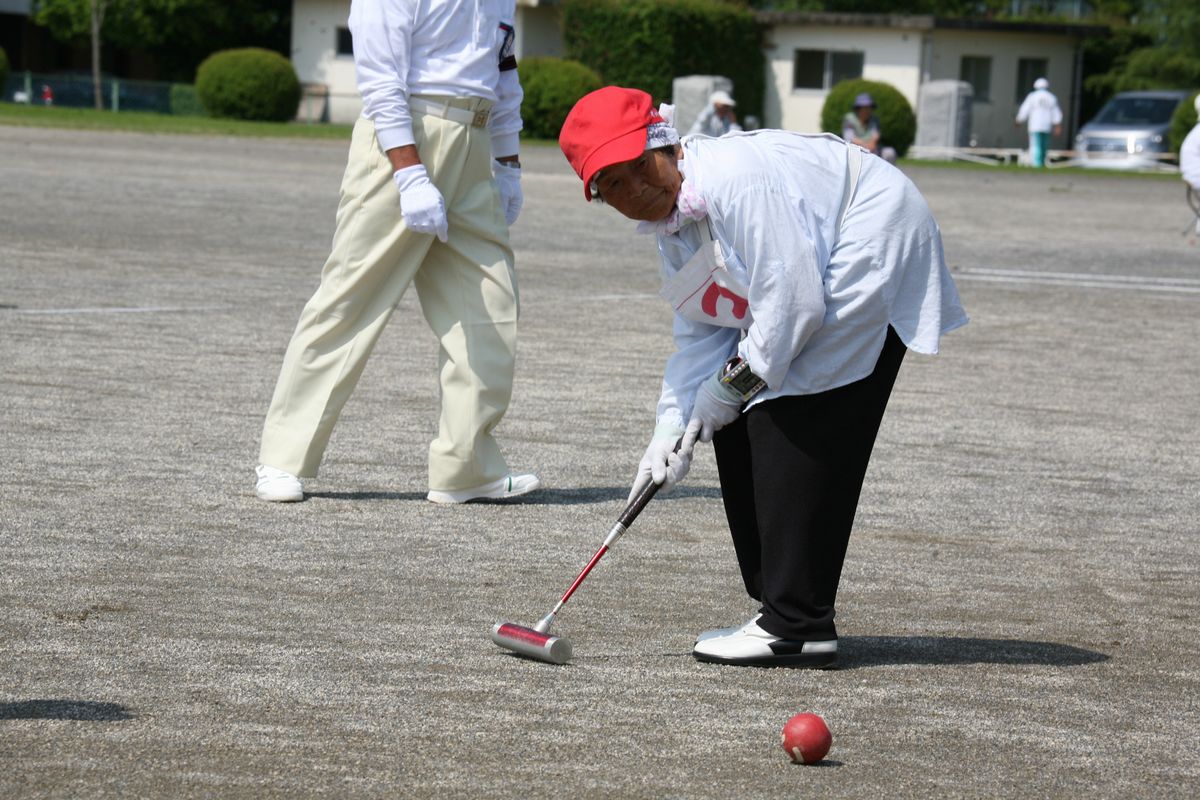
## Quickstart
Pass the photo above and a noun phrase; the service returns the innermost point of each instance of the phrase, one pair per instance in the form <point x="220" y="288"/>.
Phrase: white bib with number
<point x="705" y="290"/>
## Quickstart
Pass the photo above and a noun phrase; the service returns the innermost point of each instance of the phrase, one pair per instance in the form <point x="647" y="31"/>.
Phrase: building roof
<point x="925" y="22"/>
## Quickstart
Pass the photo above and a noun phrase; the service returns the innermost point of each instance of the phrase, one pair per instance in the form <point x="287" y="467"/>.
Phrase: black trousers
<point x="791" y="472"/>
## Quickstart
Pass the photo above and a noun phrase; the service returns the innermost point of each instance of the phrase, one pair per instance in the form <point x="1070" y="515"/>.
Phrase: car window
<point x="1138" y="111"/>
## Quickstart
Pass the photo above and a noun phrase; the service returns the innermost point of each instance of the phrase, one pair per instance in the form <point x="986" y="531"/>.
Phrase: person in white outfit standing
<point x="1040" y="110"/>
<point x="800" y="269"/>
<point x="431" y="185"/>
<point x="1189" y="165"/>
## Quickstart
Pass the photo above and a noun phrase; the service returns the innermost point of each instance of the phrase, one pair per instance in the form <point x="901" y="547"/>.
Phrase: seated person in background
<point x="717" y="118"/>
<point x="861" y="127"/>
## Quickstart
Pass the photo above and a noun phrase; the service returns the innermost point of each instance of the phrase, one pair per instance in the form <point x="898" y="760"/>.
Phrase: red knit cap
<point x="606" y="127"/>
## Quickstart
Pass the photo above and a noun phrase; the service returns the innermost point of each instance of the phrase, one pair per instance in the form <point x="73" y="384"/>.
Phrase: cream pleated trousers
<point x="468" y="295"/>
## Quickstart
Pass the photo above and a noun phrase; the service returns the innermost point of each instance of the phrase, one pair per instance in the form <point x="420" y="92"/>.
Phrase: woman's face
<point x="644" y="188"/>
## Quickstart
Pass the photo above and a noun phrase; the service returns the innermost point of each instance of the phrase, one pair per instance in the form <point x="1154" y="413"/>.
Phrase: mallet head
<point x="532" y="644"/>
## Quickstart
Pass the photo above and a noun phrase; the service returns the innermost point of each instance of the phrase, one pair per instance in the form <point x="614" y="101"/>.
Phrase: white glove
<point x="662" y="463"/>
<point x="511" y="197"/>
<point x="421" y="203"/>
<point x="717" y="405"/>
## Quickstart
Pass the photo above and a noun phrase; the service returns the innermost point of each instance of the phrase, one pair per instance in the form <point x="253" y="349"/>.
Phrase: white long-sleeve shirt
<point x="456" y="48"/>
<point x="820" y="298"/>
<point x="1189" y="158"/>
<point x="1041" y="109"/>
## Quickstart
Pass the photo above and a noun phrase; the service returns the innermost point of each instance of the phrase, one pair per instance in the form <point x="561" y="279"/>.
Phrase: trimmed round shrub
<point x="897" y="122"/>
<point x="3" y="71"/>
<point x="1182" y="122"/>
<point x="249" y="83"/>
<point x="552" y="86"/>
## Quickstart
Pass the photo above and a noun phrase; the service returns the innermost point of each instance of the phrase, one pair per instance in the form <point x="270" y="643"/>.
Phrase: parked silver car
<point x="1130" y="132"/>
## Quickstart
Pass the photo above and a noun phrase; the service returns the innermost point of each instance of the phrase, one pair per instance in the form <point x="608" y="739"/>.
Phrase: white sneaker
<point x="503" y="489"/>
<point x="732" y="629"/>
<point x="277" y="486"/>
<point x="750" y="646"/>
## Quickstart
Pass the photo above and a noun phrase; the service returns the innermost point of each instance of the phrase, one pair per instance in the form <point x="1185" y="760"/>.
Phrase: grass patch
<point x="30" y="116"/>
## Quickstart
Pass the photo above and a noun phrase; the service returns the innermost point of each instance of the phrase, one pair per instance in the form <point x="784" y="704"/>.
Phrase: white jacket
<point x="456" y="48"/>
<point x="1189" y="158"/>
<point x="1041" y="109"/>
<point x="820" y="299"/>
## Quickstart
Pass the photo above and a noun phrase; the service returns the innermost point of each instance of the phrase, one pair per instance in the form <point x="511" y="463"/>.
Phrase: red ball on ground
<point x="806" y="738"/>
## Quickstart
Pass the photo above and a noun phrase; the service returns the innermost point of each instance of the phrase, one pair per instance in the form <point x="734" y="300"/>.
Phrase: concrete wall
<point x="314" y="55"/>
<point x="890" y="56"/>
<point x="539" y="29"/>
<point x="992" y="120"/>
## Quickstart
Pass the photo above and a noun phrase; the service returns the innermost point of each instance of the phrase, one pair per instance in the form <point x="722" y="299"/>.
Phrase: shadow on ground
<point x="83" y="710"/>
<point x="542" y="497"/>
<point x="871" y="651"/>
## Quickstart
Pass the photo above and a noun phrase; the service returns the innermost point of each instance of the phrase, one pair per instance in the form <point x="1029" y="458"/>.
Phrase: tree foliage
<point x="1182" y="122"/>
<point x="178" y="34"/>
<point x="552" y="87"/>
<point x="645" y="44"/>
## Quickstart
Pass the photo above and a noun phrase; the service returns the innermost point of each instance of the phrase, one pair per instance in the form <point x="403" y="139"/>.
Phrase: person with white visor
<point x="432" y="184"/>
<point x="800" y="269"/>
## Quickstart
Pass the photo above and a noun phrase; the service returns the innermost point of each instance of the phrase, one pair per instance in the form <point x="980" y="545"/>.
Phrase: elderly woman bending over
<point x="801" y="269"/>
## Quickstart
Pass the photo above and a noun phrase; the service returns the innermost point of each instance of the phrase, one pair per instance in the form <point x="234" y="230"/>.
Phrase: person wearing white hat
<point x="717" y="118"/>
<point x="1041" y="111"/>
<point x="431" y="185"/>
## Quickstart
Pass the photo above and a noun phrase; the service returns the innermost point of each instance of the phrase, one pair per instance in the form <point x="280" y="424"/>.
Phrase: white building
<point x="809" y="52"/>
<point x="806" y="53"/>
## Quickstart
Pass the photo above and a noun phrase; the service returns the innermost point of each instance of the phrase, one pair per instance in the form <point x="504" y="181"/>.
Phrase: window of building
<point x="345" y="44"/>
<point x="821" y="69"/>
<point x="1028" y="71"/>
<point x="977" y="71"/>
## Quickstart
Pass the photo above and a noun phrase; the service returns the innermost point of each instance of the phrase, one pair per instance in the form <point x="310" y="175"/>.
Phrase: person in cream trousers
<point x="431" y="185"/>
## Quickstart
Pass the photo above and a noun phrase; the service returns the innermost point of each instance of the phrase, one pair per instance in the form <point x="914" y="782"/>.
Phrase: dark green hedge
<point x="3" y="69"/>
<point x="552" y="86"/>
<point x="646" y="44"/>
<point x="897" y="122"/>
<point x="184" y="102"/>
<point x="250" y="83"/>
<point x="1182" y="122"/>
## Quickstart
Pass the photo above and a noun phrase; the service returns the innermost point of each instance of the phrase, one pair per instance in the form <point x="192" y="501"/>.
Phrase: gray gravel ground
<point x="1019" y="609"/>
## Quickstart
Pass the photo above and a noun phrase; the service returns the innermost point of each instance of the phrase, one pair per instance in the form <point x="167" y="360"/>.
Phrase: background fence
<point x="76" y="90"/>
